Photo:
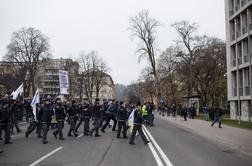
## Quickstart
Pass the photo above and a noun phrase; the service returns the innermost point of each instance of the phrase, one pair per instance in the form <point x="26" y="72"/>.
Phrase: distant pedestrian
<point x="184" y="112"/>
<point x="206" y="112"/>
<point x="217" y="117"/>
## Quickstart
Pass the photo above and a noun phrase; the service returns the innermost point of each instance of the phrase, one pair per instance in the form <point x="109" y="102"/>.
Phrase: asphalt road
<point x="170" y="145"/>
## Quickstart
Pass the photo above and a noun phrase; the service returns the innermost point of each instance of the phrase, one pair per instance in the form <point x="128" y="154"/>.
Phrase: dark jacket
<point x="111" y="109"/>
<point x="96" y="111"/>
<point x="85" y="111"/>
<point x="59" y="112"/>
<point x="5" y="115"/>
<point x="72" y="111"/>
<point x="46" y="113"/>
<point x="138" y="119"/>
<point x="122" y="114"/>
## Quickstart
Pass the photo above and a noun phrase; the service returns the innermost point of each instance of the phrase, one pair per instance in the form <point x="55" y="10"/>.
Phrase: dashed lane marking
<point x="44" y="157"/>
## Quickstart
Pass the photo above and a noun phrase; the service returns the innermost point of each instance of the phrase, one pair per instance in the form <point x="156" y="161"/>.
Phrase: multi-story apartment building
<point x="239" y="57"/>
<point x="47" y="77"/>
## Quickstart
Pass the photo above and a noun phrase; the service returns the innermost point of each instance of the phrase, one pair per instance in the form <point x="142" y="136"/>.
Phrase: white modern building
<point x="239" y="57"/>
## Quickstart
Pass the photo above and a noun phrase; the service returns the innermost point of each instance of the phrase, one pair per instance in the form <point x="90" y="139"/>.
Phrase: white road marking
<point x="154" y="152"/>
<point x="80" y="135"/>
<point x="17" y="135"/>
<point x="44" y="157"/>
<point x="161" y="152"/>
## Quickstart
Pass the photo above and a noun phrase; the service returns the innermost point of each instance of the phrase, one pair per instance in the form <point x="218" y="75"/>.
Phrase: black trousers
<point x="110" y="117"/>
<point x="60" y="126"/>
<point x="45" y="128"/>
<point x="33" y="126"/>
<point x="122" y="127"/>
<point x="86" y="125"/>
<point x="14" y="123"/>
<point x="96" y="127"/>
<point x="72" y="125"/>
<point x="6" y="129"/>
<point x="137" y="128"/>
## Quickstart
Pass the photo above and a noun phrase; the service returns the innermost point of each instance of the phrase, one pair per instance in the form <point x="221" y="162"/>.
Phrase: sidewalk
<point x="234" y="138"/>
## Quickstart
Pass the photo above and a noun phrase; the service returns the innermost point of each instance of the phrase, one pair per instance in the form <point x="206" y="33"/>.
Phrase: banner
<point x="131" y="120"/>
<point x="34" y="103"/>
<point x="64" y="82"/>
<point x="19" y="91"/>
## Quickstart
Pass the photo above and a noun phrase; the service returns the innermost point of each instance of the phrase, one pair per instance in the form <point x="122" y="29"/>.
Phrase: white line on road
<point x="161" y="152"/>
<point x="44" y="157"/>
<point x="154" y="152"/>
<point x="80" y="135"/>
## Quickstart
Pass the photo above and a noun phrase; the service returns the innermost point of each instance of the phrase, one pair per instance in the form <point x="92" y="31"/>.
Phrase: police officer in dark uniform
<point x="96" y="115"/>
<point x="46" y="117"/>
<point x="111" y="112"/>
<point x="72" y="115"/>
<point x="85" y="113"/>
<point x="138" y="120"/>
<point x="15" y="109"/>
<point x="122" y="116"/>
<point x="104" y="114"/>
<point x="60" y="117"/>
<point x="35" y="122"/>
<point x="5" y="119"/>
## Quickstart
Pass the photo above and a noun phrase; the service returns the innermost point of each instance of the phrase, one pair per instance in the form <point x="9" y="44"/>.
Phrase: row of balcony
<point x="242" y="91"/>
<point x="241" y="32"/>
<point x="241" y="60"/>
<point x="237" y="7"/>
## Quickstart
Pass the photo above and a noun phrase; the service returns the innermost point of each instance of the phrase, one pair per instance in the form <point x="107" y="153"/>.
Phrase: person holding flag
<point x="35" y="116"/>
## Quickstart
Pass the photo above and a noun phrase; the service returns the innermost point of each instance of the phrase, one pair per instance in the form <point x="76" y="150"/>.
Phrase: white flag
<point x="35" y="100"/>
<point x="18" y="92"/>
<point x="64" y="82"/>
<point x="131" y="120"/>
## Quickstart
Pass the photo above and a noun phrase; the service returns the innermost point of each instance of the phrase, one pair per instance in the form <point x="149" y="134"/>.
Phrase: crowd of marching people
<point x="54" y="113"/>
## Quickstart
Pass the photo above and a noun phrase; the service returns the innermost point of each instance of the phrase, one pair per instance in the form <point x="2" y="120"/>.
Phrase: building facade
<point x="239" y="57"/>
<point x="47" y="77"/>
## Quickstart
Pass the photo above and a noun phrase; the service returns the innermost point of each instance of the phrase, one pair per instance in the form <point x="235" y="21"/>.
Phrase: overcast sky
<point x="84" y="25"/>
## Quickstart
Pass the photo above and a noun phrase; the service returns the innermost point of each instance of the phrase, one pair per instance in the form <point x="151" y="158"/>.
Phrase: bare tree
<point x="209" y="73"/>
<point x="167" y="67"/>
<point x="93" y="74"/>
<point x="27" y="47"/>
<point x="144" y="28"/>
<point x="189" y="45"/>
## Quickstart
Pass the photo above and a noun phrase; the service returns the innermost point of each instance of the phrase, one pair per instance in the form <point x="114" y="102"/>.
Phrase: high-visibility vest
<point x="144" y="111"/>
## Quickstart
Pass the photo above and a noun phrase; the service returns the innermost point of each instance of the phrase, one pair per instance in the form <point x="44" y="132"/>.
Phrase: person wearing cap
<point x="72" y="114"/>
<point x="122" y="117"/>
<point x="96" y="116"/>
<point x="138" y="120"/>
<point x="46" y="117"/>
<point x="60" y="118"/>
